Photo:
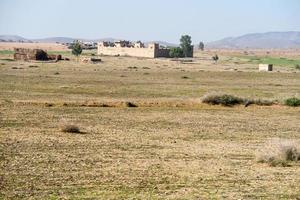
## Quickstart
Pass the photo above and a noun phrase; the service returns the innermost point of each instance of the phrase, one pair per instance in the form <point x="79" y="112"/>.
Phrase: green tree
<point x="201" y="46"/>
<point x="186" y="45"/>
<point x="176" y="52"/>
<point x="76" y="49"/>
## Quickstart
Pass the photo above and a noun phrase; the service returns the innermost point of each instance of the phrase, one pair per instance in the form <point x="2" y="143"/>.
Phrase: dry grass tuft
<point x="231" y="100"/>
<point x="70" y="128"/>
<point x="130" y="105"/>
<point x="222" y="99"/>
<point x="279" y="152"/>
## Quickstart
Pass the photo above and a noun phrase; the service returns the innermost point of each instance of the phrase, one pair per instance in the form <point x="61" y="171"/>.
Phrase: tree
<point x="186" y="45"/>
<point x="176" y="52"/>
<point x="201" y="46"/>
<point x="76" y="49"/>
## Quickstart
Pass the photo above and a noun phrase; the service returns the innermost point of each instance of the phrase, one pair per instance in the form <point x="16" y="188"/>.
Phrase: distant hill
<point x="13" y="38"/>
<point x="55" y="40"/>
<point x="270" y="40"/>
<point x="163" y="43"/>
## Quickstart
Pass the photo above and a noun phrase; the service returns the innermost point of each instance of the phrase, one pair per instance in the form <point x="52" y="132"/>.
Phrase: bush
<point x="70" y="128"/>
<point x="176" y="52"/>
<point x="278" y="152"/>
<point x="215" y="58"/>
<point x="222" y="99"/>
<point x="130" y="104"/>
<point x="297" y="66"/>
<point x="294" y="102"/>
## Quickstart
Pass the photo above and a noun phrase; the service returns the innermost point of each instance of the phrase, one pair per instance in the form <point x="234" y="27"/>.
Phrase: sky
<point x="166" y="20"/>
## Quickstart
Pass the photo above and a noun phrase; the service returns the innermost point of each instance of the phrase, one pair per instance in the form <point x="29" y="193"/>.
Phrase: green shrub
<point x="176" y="52"/>
<point x="294" y="102"/>
<point x="297" y="66"/>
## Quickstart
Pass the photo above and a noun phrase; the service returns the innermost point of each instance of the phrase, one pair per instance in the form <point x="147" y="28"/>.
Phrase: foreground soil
<point x="160" y="150"/>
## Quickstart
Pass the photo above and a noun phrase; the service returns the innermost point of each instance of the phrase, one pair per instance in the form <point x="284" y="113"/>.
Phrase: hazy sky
<point x="167" y="20"/>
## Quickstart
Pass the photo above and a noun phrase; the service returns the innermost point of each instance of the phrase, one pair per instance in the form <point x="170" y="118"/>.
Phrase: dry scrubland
<point x="170" y="146"/>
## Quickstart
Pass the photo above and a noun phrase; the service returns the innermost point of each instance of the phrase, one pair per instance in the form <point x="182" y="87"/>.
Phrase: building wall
<point x="265" y="67"/>
<point x="163" y="53"/>
<point x="152" y="51"/>
<point x="125" y="51"/>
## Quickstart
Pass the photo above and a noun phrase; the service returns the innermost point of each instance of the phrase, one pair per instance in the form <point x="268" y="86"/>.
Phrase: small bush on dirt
<point x="185" y="77"/>
<point x="297" y="66"/>
<point x="294" y="102"/>
<point x="70" y="128"/>
<point x="279" y="152"/>
<point x="222" y="99"/>
<point x="130" y="104"/>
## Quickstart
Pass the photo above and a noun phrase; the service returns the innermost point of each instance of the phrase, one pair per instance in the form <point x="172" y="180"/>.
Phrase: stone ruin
<point x="34" y="54"/>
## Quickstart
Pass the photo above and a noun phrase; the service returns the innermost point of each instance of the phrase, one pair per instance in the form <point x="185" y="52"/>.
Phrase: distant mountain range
<point x="15" y="38"/>
<point x="269" y="40"/>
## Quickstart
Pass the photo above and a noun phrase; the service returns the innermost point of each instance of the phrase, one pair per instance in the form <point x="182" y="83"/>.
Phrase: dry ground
<point x="46" y="46"/>
<point x="170" y="147"/>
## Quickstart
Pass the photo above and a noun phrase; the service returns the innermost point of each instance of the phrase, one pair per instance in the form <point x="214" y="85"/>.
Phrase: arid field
<point x="145" y="134"/>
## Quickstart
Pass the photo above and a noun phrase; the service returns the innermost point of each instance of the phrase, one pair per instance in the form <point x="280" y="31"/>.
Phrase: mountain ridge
<point x="267" y="40"/>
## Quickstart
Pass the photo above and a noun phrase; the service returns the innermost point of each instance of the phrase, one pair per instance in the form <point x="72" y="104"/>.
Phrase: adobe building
<point x="126" y="48"/>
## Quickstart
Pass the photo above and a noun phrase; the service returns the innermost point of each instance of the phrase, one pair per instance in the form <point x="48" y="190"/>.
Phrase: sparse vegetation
<point x="70" y="128"/>
<point x="278" y="152"/>
<point x="6" y="52"/>
<point x="176" y="52"/>
<point x="33" y="66"/>
<point x="222" y="99"/>
<point x="230" y="100"/>
<point x="130" y="104"/>
<point x="141" y="152"/>
<point x="294" y="102"/>
<point x="215" y="58"/>
<point x="269" y="59"/>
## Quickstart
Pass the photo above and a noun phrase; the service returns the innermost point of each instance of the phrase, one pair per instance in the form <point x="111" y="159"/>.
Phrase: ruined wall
<point x="34" y="54"/>
<point x="30" y="54"/>
<point x="165" y="53"/>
